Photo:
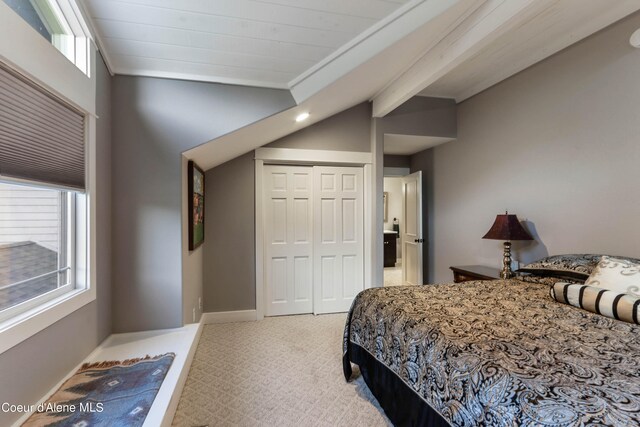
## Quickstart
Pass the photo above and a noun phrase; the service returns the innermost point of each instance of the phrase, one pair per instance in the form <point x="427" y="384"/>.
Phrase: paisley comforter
<point x="493" y="353"/>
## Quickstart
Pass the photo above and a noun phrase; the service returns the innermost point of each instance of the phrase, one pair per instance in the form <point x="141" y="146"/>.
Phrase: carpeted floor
<point x="281" y="371"/>
<point x="393" y="276"/>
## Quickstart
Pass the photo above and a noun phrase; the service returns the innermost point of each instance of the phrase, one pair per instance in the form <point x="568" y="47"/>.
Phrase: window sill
<point x="27" y="324"/>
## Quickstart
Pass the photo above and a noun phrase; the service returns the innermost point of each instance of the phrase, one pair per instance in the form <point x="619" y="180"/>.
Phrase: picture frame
<point x="196" y="186"/>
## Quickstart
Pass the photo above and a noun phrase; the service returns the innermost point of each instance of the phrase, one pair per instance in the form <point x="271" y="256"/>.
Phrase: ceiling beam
<point x="611" y="13"/>
<point x="410" y="18"/>
<point x="492" y="19"/>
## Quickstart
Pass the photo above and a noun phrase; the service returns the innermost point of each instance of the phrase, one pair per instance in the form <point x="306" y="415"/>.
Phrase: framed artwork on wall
<point x="196" y="205"/>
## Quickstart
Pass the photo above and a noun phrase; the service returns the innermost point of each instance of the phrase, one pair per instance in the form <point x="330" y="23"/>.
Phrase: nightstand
<point x="466" y="273"/>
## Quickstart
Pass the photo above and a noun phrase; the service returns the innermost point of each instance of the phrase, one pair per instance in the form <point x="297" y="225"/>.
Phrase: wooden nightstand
<point x="466" y="273"/>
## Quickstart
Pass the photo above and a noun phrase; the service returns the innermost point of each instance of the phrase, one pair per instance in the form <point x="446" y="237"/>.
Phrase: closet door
<point x="338" y="237"/>
<point x="288" y="239"/>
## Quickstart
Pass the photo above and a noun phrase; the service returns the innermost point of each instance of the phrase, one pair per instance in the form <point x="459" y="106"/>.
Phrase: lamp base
<point x="506" y="272"/>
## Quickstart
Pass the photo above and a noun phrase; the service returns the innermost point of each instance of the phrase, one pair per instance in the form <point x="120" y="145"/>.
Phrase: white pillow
<point x="616" y="275"/>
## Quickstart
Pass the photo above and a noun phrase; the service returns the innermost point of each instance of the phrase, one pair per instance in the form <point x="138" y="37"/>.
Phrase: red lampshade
<point x="507" y="227"/>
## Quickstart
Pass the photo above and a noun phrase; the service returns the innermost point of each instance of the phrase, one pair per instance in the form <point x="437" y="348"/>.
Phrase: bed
<point x="494" y="353"/>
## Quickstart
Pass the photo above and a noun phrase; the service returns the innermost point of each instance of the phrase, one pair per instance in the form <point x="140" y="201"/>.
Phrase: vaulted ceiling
<point x="334" y="54"/>
<point x="250" y="42"/>
<point x="548" y="28"/>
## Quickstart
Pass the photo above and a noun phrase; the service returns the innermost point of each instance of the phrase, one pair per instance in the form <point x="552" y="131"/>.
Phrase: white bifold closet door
<point x="338" y="249"/>
<point x="314" y="238"/>
<point x="288" y="225"/>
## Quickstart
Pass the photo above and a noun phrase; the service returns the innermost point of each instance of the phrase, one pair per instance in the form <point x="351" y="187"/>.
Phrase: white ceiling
<point x="251" y="42"/>
<point x="334" y="54"/>
<point x="551" y="27"/>
<point x="354" y="74"/>
<point x="501" y="39"/>
<point x="407" y="145"/>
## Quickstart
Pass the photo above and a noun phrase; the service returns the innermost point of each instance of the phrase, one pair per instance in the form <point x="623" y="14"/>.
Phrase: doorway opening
<point x="402" y="218"/>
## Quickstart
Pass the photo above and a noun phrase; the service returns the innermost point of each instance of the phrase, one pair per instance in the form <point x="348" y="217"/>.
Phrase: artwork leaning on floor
<point x="196" y="205"/>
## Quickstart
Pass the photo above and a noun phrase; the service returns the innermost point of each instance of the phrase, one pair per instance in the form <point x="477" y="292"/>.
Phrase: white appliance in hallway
<point x="412" y="231"/>
<point x="314" y="238"/>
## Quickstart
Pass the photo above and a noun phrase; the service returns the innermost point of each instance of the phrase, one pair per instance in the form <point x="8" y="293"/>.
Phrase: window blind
<point x="41" y="136"/>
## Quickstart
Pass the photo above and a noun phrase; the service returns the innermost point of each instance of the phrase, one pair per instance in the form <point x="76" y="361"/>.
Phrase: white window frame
<point x="30" y="317"/>
<point x="68" y="211"/>
<point x="25" y="50"/>
<point x="69" y="34"/>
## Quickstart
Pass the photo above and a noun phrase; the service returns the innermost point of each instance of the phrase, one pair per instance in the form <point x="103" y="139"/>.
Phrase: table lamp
<point x="507" y="227"/>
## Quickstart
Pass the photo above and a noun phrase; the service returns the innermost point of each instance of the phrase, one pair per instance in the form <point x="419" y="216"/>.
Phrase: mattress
<point x="496" y="353"/>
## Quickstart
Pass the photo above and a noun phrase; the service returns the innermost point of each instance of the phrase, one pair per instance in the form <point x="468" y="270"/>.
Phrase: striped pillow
<point x="608" y="303"/>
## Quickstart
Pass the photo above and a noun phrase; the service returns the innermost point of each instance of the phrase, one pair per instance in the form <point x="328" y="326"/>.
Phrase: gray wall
<point x="154" y="121"/>
<point x="229" y="254"/>
<point x="229" y="267"/>
<point x="422" y="115"/>
<point x="558" y="145"/>
<point x="345" y="131"/>
<point x="37" y="364"/>
<point x="396" y="161"/>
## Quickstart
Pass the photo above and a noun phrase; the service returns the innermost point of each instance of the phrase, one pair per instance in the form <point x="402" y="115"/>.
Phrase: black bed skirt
<point x="400" y="403"/>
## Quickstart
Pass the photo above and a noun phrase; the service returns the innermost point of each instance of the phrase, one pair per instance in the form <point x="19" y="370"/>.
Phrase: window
<point x="43" y="204"/>
<point x="59" y="23"/>
<point x="37" y="246"/>
<point x="47" y="154"/>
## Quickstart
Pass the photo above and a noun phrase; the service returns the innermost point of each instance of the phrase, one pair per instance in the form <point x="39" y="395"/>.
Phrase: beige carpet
<point x="393" y="276"/>
<point x="281" y="371"/>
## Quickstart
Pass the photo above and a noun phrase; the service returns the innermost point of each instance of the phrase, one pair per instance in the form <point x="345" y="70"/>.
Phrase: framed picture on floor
<point x="196" y="205"/>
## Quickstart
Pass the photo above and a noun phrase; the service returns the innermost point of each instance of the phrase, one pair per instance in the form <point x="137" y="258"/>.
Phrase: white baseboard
<point x="229" y="316"/>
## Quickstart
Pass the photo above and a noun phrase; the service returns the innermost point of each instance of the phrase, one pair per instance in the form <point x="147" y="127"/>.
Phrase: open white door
<point x="288" y="210"/>
<point x="338" y="237"/>
<point x="412" y="230"/>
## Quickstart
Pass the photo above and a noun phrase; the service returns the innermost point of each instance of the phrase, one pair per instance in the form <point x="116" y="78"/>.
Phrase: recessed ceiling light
<point x="635" y="39"/>
<point x="302" y="117"/>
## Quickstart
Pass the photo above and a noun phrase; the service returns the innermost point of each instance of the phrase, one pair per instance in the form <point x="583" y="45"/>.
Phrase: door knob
<point x="418" y="240"/>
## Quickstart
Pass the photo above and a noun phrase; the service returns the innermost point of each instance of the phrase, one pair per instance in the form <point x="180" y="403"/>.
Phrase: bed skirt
<point x="401" y="404"/>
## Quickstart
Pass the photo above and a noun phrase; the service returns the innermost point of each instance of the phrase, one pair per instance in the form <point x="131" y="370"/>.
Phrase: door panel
<point x="412" y="231"/>
<point x="339" y="232"/>
<point x="349" y="267"/>
<point x="279" y="220"/>
<point x="328" y="220"/>
<point x="288" y="225"/>
<point x="279" y="279"/>
<point x="301" y="274"/>
<point x="327" y="270"/>
<point x="349" y="220"/>
<point x="302" y="220"/>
